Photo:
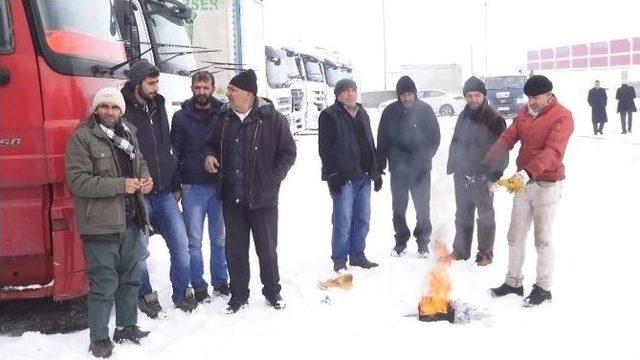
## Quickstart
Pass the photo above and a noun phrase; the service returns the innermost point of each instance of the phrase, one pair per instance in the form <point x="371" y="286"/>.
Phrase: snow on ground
<point x="594" y="313"/>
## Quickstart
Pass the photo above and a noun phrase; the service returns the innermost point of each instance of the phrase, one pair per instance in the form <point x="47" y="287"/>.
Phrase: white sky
<point x="430" y="32"/>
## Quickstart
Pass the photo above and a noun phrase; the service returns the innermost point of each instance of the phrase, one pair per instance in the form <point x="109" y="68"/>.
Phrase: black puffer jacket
<point x="473" y="136"/>
<point x="338" y="145"/>
<point x="154" y="139"/>
<point x="272" y="151"/>
<point x="408" y="137"/>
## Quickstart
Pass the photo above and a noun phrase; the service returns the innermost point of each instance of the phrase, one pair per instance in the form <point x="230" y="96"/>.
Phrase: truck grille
<point x="297" y="96"/>
<point x="284" y="104"/>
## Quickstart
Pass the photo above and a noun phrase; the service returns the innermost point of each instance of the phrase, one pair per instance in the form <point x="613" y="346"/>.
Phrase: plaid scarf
<point x="118" y="141"/>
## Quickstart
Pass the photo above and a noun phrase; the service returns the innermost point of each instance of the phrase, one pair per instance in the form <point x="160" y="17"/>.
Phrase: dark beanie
<point x="246" y="81"/>
<point x="474" y="84"/>
<point x="404" y="85"/>
<point x="344" y="84"/>
<point x="139" y="70"/>
<point x="536" y="85"/>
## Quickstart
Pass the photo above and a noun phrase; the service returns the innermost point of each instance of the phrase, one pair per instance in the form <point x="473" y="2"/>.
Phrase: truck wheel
<point x="446" y="110"/>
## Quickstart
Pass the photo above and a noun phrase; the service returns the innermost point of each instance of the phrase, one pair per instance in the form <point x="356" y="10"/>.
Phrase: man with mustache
<point x="200" y="197"/>
<point x="146" y="110"/>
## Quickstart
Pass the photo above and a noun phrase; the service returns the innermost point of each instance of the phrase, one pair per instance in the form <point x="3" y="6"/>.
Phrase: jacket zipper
<point x="155" y="145"/>
<point x="253" y="160"/>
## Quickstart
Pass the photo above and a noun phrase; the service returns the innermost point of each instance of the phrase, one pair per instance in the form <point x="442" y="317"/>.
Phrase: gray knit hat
<point x="139" y="70"/>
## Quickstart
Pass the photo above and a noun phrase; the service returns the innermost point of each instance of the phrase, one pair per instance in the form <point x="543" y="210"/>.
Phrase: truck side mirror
<point x="5" y="76"/>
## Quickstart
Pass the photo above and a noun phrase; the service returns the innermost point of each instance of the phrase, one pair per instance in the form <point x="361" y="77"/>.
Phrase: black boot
<point x="339" y="265"/>
<point x="130" y="333"/>
<point x="201" y="293"/>
<point x="505" y="289"/>
<point x="538" y="296"/>
<point x="277" y="302"/>
<point x="150" y="305"/>
<point x="101" y="348"/>
<point x="363" y="262"/>
<point x="188" y="303"/>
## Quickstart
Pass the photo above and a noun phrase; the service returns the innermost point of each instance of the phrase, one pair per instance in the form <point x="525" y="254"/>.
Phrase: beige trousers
<point x="537" y="204"/>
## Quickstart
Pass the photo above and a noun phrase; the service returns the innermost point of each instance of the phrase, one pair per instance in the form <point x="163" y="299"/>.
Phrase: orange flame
<point x="437" y="299"/>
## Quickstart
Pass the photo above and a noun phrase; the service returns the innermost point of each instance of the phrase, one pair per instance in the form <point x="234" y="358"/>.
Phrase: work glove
<point x="516" y="183"/>
<point x="377" y="183"/>
<point x="336" y="182"/>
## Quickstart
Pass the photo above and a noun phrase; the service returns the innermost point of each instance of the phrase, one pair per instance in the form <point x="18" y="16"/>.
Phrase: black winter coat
<point x="598" y="101"/>
<point x="473" y="136"/>
<point x="408" y="137"/>
<point x="338" y="145"/>
<point x="273" y="151"/>
<point x="625" y="96"/>
<point x="154" y="139"/>
<point x="189" y="131"/>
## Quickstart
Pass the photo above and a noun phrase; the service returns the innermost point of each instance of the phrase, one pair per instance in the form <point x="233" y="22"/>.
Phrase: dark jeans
<point x="263" y="224"/>
<point x="113" y="277"/>
<point x="626" y="126"/>
<point x="597" y="128"/>
<point x="469" y="197"/>
<point x="419" y="185"/>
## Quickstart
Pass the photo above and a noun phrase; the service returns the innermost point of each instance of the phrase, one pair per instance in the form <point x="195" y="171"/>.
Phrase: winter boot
<point x="277" y="302"/>
<point x="423" y="249"/>
<point x="150" y="305"/>
<point x="234" y="305"/>
<point x="483" y="260"/>
<point x="399" y="250"/>
<point x="222" y="290"/>
<point x="101" y="348"/>
<point x="505" y="289"/>
<point x="129" y="333"/>
<point x="339" y="265"/>
<point x="364" y="263"/>
<point x="538" y="296"/>
<point x="201" y="294"/>
<point x="188" y="303"/>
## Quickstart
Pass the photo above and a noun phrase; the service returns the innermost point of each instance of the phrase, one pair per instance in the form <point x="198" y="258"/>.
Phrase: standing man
<point x="598" y="101"/>
<point x="145" y="109"/>
<point x="477" y="129"/>
<point x="626" y="105"/>
<point x="107" y="175"/>
<point x="200" y="198"/>
<point x="251" y="148"/>
<point x="543" y="129"/>
<point x="409" y="136"/>
<point x="348" y="155"/>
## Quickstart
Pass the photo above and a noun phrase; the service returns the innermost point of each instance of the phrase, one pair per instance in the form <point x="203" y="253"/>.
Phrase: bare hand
<point x="131" y="185"/>
<point x="146" y="184"/>
<point x="211" y="164"/>
<point x="177" y="195"/>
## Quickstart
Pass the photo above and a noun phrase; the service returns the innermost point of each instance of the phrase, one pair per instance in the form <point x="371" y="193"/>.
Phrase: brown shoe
<point x="483" y="260"/>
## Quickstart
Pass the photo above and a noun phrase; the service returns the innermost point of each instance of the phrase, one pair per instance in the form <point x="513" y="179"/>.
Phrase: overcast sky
<point x="437" y="32"/>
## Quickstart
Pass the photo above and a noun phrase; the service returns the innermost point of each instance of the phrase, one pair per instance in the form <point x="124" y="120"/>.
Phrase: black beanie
<point x="404" y="85"/>
<point x="139" y="70"/>
<point x="344" y="84"/>
<point x="536" y="85"/>
<point x="474" y="84"/>
<point x="246" y="81"/>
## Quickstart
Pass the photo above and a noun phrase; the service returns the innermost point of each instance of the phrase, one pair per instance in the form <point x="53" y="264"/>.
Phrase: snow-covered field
<point x="594" y="313"/>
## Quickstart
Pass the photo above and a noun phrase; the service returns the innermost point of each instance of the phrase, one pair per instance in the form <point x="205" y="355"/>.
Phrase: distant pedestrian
<point x="626" y="106"/>
<point x="598" y="101"/>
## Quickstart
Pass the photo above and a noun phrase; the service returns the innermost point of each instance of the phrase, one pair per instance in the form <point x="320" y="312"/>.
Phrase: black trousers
<point x="626" y="126"/>
<point x="419" y="185"/>
<point x="469" y="197"/>
<point x="239" y="221"/>
<point x="598" y="127"/>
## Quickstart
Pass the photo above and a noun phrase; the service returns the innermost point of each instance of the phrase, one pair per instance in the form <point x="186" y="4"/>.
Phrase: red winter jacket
<point x="543" y="142"/>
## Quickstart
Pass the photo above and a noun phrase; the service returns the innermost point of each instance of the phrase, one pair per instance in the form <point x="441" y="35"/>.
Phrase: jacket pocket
<point x="103" y="161"/>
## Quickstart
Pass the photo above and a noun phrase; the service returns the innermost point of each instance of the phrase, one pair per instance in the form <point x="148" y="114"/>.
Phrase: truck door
<point x="25" y="246"/>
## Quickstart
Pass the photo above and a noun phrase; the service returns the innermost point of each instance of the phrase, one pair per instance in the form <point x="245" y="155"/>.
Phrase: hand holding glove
<point x="516" y="183"/>
<point x="336" y="182"/>
<point x="377" y="184"/>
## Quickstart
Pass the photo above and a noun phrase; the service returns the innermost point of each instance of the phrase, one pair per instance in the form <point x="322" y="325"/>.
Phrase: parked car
<point x="443" y="103"/>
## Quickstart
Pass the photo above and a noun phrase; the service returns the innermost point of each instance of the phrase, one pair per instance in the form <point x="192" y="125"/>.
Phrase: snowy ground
<point x="594" y="313"/>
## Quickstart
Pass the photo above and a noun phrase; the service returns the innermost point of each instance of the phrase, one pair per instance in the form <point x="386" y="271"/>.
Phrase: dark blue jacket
<point x="188" y="134"/>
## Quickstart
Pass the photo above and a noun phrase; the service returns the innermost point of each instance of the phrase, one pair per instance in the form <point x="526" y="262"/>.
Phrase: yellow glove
<point x="516" y="183"/>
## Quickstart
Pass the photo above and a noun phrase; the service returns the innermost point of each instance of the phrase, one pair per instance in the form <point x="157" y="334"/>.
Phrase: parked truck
<point x="54" y="56"/>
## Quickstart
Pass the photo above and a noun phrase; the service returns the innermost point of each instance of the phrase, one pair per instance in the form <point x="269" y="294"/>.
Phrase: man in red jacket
<point x="543" y="128"/>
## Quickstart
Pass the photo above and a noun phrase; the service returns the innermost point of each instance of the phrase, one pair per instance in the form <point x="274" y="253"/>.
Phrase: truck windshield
<point x="167" y="29"/>
<point x="332" y="73"/>
<point x="82" y="29"/>
<point x="347" y="73"/>
<point x="293" y="71"/>
<point x="502" y="82"/>
<point x="312" y="67"/>
<point x="277" y="71"/>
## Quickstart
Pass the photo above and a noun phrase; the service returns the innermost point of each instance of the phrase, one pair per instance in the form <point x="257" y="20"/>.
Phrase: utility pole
<point x="486" y="42"/>
<point x="384" y="44"/>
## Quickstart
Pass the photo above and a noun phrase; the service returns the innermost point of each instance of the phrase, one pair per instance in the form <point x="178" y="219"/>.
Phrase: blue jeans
<point x="351" y="213"/>
<point x="199" y="201"/>
<point x="166" y="218"/>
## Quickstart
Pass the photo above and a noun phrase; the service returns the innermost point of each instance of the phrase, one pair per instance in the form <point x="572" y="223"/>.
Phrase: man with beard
<point x="597" y="99"/>
<point x="146" y="110"/>
<point x="409" y="136"/>
<point x="348" y="155"/>
<point x="543" y="128"/>
<point x="200" y="198"/>
<point x="107" y="175"/>
<point x="252" y="150"/>
<point x="477" y="129"/>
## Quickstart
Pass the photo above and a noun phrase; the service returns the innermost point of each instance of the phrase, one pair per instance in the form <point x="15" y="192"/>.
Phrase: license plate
<point x="503" y="94"/>
<point x="503" y="108"/>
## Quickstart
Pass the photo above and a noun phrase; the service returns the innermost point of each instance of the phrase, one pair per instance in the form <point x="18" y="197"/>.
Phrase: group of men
<point x="597" y="99"/>
<point x="128" y="171"/>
